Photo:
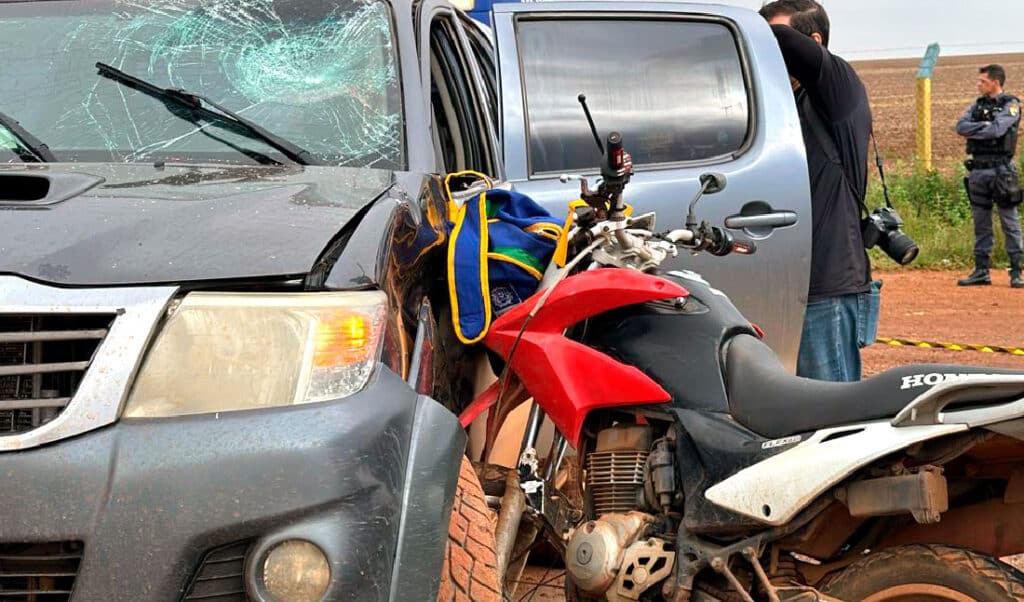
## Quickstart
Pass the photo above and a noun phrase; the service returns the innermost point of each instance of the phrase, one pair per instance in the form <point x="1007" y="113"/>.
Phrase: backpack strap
<point x="468" y="291"/>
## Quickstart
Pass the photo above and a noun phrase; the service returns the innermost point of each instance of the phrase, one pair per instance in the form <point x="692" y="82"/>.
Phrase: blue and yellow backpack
<point x="500" y="244"/>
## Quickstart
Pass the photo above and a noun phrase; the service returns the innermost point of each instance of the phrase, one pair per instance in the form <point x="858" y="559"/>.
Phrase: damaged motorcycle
<point x="703" y="470"/>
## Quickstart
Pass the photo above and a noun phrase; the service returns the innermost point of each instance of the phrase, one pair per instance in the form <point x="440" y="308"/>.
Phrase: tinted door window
<point x="674" y="88"/>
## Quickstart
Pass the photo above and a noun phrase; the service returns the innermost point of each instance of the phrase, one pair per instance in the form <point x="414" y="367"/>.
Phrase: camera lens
<point x="899" y="247"/>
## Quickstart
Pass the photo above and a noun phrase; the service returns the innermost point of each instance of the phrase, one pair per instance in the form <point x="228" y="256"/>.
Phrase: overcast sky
<point x="903" y="28"/>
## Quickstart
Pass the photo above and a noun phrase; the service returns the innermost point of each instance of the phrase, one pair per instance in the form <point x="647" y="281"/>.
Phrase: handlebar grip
<point x="723" y="243"/>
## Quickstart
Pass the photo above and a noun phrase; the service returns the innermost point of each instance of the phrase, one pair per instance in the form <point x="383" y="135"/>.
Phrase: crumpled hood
<point x="140" y="224"/>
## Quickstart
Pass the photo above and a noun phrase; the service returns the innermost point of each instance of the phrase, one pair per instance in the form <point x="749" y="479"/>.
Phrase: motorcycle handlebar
<point x="719" y="242"/>
<point x="723" y="243"/>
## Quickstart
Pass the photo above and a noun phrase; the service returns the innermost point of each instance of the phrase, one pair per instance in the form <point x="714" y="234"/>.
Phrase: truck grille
<point x="39" y="572"/>
<point x="220" y="577"/>
<point x="43" y="358"/>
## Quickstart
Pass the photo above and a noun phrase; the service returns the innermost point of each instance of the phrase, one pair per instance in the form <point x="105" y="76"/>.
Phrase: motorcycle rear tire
<point x="928" y="572"/>
<point x="470" y="566"/>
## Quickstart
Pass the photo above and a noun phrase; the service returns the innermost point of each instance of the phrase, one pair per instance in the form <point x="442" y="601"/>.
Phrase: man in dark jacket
<point x="842" y="301"/>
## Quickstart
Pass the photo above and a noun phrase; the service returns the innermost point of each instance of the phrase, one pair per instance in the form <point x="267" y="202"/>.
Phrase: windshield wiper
<point x="197" y="102"/>
<point x="30" y="142"/>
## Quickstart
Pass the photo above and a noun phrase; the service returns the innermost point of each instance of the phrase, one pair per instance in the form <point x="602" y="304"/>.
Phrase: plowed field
<point x="891" y="86"/>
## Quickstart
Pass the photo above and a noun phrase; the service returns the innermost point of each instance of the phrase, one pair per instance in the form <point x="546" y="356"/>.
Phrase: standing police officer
<point x="990" y="126"/>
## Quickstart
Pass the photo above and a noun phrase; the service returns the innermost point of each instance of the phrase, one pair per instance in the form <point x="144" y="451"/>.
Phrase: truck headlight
<point x="219" y="352"/>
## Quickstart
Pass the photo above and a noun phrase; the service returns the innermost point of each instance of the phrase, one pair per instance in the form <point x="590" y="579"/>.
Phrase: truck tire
<point x="928" y="572"/>
<point x="470" y="570"/>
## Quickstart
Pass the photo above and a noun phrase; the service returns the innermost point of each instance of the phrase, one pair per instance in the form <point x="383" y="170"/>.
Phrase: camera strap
<point x="828" y="145"/>
<point x="881" y="172"/>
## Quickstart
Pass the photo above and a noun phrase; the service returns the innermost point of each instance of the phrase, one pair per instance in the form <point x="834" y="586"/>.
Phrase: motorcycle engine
<point x="615" y="469"/>
<point x="614" y="555"/>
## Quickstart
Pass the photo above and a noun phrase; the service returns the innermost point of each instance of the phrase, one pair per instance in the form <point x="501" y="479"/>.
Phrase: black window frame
<point x="445" y="43"/>
<point x="484" y="52"/>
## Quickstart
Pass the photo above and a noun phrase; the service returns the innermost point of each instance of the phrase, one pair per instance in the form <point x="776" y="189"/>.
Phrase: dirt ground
<point x="929" y="306"/>
<point x="891" y="85"/>
<point x="919" y="305"/>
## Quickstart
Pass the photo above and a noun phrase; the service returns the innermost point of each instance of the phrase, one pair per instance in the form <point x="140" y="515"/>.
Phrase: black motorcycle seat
<point x="773" y="403"/>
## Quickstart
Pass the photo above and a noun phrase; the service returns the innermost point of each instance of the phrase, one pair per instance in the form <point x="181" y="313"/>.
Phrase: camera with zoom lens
<point x="883" y="228"/>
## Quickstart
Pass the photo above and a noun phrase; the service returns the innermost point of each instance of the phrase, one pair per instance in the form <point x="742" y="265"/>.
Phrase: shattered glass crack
<point x="320" y="73"/>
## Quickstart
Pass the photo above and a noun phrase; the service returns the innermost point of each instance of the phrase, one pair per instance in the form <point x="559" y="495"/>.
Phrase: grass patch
<point x="937" y="214"/>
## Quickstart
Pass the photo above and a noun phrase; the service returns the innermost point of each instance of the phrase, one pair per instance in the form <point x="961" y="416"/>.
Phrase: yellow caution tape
<point x="950" y="346"/>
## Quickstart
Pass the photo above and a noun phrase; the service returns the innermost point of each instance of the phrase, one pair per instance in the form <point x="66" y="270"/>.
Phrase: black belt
<point x="987" y="162"/>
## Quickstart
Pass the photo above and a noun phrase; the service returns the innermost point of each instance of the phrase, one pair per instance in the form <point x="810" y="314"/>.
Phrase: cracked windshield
<point x="320" y="75"/>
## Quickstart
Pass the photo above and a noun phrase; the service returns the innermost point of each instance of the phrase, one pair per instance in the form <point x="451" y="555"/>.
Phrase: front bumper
<point x="369" y="479"/>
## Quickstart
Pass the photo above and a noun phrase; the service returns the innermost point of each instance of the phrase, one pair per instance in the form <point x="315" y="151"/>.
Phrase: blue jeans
<point x="835" y="330"/>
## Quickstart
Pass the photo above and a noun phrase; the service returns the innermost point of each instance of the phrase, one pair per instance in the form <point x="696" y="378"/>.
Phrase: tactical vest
<point x="1003" y="147"/>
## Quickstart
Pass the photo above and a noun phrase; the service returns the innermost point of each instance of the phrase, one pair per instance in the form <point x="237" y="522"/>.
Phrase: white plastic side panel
<point x="775" y="490"/>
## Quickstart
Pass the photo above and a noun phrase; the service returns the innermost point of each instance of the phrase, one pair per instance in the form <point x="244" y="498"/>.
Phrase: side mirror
<point x="710" y="183"/>
<point x="714" y="182"/>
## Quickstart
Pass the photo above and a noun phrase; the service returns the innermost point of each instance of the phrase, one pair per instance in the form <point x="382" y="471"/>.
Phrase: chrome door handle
<point x="775" y="219"/>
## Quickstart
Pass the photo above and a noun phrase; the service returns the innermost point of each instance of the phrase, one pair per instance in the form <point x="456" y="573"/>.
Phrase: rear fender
<point x="929" y="407"/>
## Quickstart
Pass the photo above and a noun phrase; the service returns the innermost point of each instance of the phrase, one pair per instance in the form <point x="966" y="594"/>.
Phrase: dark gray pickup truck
<point x="225" y="372"/>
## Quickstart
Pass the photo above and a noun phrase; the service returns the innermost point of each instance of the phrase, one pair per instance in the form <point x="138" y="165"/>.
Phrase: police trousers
<point x="983" y="185"/>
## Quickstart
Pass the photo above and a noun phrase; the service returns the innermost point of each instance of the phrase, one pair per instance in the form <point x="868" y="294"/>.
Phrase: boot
<point x="979" y="277"/>
<point x="1015" y="280"/>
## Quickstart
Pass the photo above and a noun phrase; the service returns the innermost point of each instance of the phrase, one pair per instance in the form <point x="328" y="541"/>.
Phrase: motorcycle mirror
<point x="712" y="182"/>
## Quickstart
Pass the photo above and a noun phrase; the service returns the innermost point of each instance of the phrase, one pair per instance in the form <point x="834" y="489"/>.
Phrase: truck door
<point x="692" y="88"/>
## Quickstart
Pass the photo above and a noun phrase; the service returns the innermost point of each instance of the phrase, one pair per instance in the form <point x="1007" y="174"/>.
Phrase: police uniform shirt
<point x="837" y="164"/>
<point x="1005" y="114"/>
